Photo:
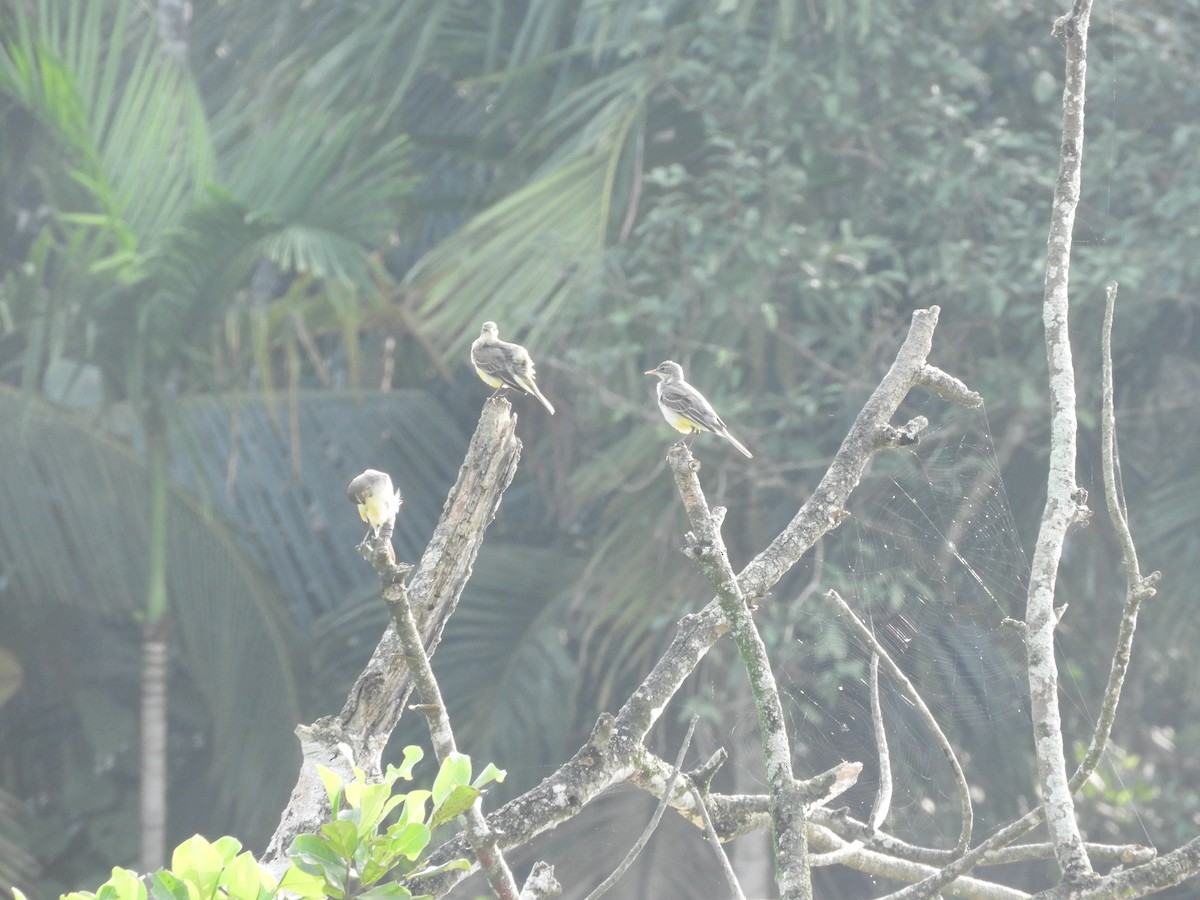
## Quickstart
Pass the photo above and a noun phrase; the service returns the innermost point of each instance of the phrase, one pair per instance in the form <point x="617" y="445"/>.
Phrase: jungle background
<point x="244" y="249"/>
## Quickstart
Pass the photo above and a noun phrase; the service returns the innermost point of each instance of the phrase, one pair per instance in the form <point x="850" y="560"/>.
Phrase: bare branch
<point x="876" y="863"/>
<point x="441" y="735"/>
<point x="714" y="841"/>
<point x="541" y="882"/>
<point x="614" y="749"/>
<point x="1137" y="587"/>
<point x="707" y="548"/>
<point x="947" y="387"/>
<point x="1064" y="498"/>
<point x="1112" y="854"/>
<point x="1114" y="495"/>
<point x="1168" y="870"/>
<point x="825" y="509"/>
<point x="378" y="697"/>
<point x="652" y="825"/>
<point x="883" y="797"/>
<point x="910" y="691"/>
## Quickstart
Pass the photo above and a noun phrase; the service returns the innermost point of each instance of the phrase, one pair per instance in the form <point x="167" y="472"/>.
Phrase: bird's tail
<point x="533" y="389"/>
<point x="729" y="437"/>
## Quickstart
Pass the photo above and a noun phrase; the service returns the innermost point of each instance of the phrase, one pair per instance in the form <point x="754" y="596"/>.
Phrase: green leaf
<point x="227" y="848"/>
<point x="353" y="791"/>
<point x="198" y="863"/>
<point x="333" y="787"/>
<point x="456" y="803"/>
<point x="489" y="774"/>
<point x="166" y="885"/>
<point x="122" y="885"/>
<point x="455" y="770"/>
<point x="128" y="884"/>
<point x="408" y="841"/>
<point x="390" y="891"/>
<point x="372" y="806"/>
<point x="316" y="856"/>
<point x="414" y="806"/>
<point x="461" y="865"/>
<point x="343" y="837"/>
<point x="412" y="756"/>
<point x="311" y="850"/>
<point x="297" y="882"/>
<point x="243" y="879"/>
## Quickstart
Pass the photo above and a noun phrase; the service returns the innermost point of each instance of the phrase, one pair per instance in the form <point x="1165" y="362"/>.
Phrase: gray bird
<point x="503" y="365"/>
<point x="685" y="408"/>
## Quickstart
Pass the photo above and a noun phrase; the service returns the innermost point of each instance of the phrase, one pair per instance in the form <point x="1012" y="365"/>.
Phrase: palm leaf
<point x="74" y="531"/>
<point x="280" y="472"/>
<point x="130" y="117"/>
<point x="334" y="201"/>
<point x="512" y="262"/>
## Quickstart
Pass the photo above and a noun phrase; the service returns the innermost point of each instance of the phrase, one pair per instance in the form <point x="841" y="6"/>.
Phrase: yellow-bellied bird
<point x="685" y="408"/>
<point x="503" y="365"/>
<point x="377" y="502"/>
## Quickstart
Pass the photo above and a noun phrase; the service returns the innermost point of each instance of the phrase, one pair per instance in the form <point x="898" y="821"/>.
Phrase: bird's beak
<point x="651" y="372"/>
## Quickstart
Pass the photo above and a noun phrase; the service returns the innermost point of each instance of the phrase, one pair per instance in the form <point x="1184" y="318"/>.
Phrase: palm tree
<point x="148" y="262"/>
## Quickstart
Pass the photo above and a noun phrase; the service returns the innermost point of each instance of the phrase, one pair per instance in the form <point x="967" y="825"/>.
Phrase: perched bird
<point x="503" y="365"/>
<point x="685" y="408"/>
<point x="377" y="502"/>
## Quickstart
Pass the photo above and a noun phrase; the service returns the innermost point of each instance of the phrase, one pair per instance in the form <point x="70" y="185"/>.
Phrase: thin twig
<point x="883" y="797"/>
<point x="714" y="841"/>
<point x="652" y="825"/>
<point x="868" y="860"/>
<point x="909" y="690"/>
<point x="1137" y="587"/>
<point x="1113" y="492"/>
<point x="441" y="735"/>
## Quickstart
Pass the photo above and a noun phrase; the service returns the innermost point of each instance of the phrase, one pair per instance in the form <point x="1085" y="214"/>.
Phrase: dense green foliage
<point x="312" y="198"/>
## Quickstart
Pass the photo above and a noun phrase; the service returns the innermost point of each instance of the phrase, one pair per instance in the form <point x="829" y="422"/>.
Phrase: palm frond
<point x="74" y="532"/>
<point x="512" y="262"/>
<point x="280" y="472"/>
<point x="507" y="662"/>
<point x="131" y="117"/>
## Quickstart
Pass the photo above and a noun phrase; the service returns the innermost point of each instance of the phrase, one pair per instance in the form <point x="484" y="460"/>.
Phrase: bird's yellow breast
<point x="377" y="510"/>
<point x="679" y="422"/>
<point x="489" y="380"/>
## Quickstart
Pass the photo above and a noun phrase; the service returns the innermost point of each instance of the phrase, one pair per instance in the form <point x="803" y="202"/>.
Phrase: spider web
<point x="931" y="562"/>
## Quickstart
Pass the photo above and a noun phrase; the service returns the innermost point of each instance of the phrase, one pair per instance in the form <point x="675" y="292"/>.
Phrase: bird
<point x="685" y="408"/>
<point x="375" y="498"/>
<point x="503" y="365"/>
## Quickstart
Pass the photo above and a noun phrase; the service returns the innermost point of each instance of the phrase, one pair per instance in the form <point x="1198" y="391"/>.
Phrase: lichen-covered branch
<point x="1065" y="500"/>
<point x="1167" y="871"/>
<point x="788" y="801"/>
<point x="614" y="750"/>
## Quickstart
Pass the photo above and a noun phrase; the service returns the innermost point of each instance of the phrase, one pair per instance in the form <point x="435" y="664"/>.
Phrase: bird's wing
<point x="688" y="402"/>
<point x="497" y="361"/>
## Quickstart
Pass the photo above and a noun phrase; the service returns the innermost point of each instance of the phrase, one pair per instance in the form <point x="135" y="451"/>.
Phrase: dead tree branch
<point x="615" y="751"/>
<point x="381" y="692"/>
<point x="1065" y="500"/>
